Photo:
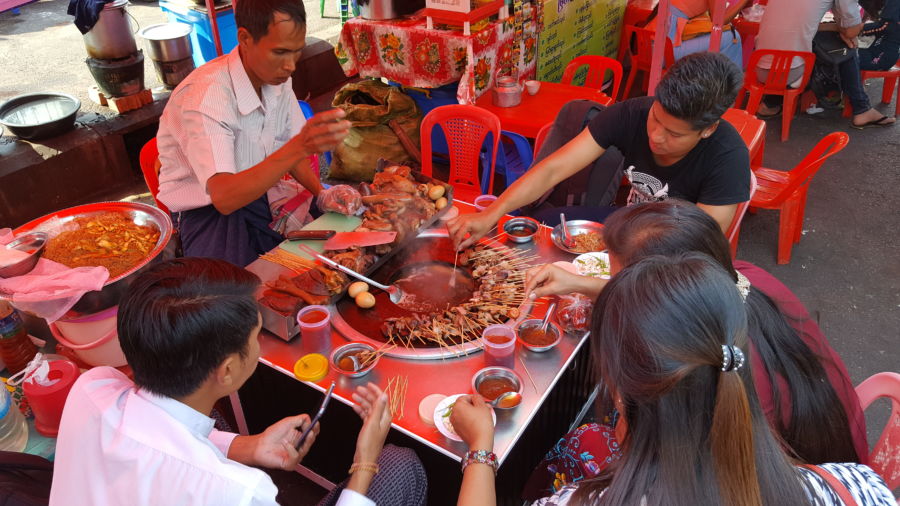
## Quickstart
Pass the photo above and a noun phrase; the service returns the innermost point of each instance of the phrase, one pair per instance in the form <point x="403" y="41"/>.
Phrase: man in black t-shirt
<point x="675" y="142"/>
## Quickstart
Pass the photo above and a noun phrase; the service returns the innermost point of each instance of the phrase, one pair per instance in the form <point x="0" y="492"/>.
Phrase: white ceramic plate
<point x="442" y="417"/>
<point x="594" y="264"/>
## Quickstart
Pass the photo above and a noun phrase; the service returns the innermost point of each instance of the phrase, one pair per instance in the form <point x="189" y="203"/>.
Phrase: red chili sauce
<point x="498" y="338"/>
<point x="314" y="317"/>
<point x="520" y="231"/>
<point x="535" y="337"/>
<point x="491" y="388"/>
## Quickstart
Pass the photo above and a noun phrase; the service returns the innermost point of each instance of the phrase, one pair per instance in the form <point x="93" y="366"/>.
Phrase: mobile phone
<point x="318" y="415"/>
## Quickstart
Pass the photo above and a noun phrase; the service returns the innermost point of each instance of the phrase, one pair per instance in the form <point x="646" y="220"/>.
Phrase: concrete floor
<point x="846" y="268"/>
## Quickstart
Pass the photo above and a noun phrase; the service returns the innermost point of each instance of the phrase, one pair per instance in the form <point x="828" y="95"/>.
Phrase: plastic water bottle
<point x="13" y="430"/>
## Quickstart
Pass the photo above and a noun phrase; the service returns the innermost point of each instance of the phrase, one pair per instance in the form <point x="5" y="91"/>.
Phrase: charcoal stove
<point x="424" y="269"/>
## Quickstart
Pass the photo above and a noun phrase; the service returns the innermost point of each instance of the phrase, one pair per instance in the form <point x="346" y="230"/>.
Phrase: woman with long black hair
<point x="802" y="383"/>
<point x="669" y="343"/>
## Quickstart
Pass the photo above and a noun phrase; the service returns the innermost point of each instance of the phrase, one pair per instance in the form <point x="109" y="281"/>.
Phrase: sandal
<point x="872" y="124"/>
<point x="770" y="115"/>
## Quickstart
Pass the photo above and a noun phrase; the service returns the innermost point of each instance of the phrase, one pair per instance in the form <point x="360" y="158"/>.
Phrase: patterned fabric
<point x="866" y="487"/>
<point x="401" y="481"/>
<point x="407" y="52"/>
<point x="580" y="455"/>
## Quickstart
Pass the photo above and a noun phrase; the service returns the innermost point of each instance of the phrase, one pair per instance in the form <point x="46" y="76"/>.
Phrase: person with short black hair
<point x="189" y="329"/>
<point x="230" y="133"/>
<point x="676" y="143"/>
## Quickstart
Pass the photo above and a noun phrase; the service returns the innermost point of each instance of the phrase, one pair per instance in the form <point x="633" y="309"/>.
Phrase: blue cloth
<point x="239" y="237"/>
<point x="730" y="45"/>
<point x="86" y="13"/>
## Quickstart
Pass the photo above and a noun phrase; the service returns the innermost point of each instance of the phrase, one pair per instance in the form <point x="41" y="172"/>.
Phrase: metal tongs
<point x="393" y="291"/>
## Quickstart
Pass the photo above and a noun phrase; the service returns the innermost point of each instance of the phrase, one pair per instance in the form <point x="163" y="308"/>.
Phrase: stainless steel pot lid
<point x="166" y="31"/>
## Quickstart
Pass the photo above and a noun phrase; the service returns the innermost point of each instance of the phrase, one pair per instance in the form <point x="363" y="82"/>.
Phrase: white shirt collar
<point x="195" y="421"/>
<point x="247" y="99"/>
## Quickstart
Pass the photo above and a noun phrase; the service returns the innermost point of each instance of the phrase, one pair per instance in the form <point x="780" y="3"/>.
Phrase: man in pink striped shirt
<point x="232" y="129"/>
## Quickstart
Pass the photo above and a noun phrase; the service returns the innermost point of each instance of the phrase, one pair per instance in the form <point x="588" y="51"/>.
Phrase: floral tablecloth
<point x="407" y="52"/>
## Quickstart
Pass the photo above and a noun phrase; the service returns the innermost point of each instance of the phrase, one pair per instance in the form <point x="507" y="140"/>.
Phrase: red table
<point x="537" y="110"/>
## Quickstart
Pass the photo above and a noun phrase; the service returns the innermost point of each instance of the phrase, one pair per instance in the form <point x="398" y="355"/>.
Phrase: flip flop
<point x="770" y="116"/>
<point x="872" y="124"/>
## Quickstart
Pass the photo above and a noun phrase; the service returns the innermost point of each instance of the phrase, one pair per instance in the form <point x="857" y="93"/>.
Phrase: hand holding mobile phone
<point x="316" y="418"/>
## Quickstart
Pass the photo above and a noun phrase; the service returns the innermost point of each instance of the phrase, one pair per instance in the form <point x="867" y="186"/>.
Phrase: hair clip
<point x="743" y="286"/>
<point x="732" y="358"/>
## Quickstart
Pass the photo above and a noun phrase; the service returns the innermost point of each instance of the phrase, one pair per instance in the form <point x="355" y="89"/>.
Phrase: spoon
<point x="567" y="239"/>
<point x="392" y="290"/>
<point x="506" y="400"/>
<point x="547" y="316"/>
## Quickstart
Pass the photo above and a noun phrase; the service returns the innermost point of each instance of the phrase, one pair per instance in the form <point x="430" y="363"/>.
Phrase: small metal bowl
<point x="515" y="227"/>
<point x="32" y="243"/>
<point x="352" y="349"/>
<point x="497" y="372"/>
<point x="536" y="322"/>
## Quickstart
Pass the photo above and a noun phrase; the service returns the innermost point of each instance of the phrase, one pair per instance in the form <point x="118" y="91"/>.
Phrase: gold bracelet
<point x="364" y="467"/>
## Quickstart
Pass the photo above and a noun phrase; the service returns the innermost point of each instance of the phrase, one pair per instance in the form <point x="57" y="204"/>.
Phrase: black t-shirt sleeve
<point x="613" y="125"/>
<point x="728" y="181"/>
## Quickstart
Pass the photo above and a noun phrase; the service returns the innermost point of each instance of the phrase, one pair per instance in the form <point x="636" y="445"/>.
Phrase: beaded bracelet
<point x="480" y="457"/>
<point x="364" y="467"/>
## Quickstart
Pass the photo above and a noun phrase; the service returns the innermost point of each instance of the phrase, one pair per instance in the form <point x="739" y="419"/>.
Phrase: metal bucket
<point x="169" y="46"/>
<point x="112" y="37"/>
<point x="168" y="42"/>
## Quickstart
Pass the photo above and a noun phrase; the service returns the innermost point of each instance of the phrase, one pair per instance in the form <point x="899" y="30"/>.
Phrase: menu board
<point x="576" y="27"/>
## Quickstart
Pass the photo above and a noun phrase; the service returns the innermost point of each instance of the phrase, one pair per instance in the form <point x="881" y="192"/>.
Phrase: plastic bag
<point x="342" y="198"/>
<point x="574" y="313"/>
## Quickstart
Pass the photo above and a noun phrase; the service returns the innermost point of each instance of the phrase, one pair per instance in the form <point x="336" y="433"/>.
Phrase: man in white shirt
<point x="232" y="129"/>
<point x="189" y="329"/>
<point x="791" y="26"/>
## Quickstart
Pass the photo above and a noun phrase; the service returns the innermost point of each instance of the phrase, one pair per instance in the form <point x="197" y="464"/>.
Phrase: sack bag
<point x="829" y="47"/>
<point x="825" y="82"/>
<point x="371" y="106"/>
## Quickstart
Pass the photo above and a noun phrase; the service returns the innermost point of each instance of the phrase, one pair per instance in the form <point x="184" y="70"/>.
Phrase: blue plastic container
<point x="202" y="40"/>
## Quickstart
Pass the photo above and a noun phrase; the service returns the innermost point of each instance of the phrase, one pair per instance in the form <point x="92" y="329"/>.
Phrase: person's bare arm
<point x="304" y="174"/>
<point x="722" y="214"/>
<point x="230" y="192"/>
<point x="564" y="162"/>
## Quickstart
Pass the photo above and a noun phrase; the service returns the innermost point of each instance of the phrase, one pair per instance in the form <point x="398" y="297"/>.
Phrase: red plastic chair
<point x="636" y="12"/>
<point x="884" y="458"/>
<point x="149" y="160"/>
<point x="734" y="230"/>
<point x="642" y="58"/>
<point x="776" y="83"/>
<point x="891" y="78"/>
<point x="541" y="137"/>
<point x="465" y="127"/>
<point x="752" y="130"/>
<point x="597" y="67"/>
<point x="787" y="191"/>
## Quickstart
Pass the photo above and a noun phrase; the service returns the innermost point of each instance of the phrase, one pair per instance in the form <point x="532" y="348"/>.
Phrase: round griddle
<point x="424" y="268"/>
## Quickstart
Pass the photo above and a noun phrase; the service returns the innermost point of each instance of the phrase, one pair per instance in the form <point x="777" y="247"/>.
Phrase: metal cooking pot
<point x="112" y="37"/>
<point x="168" y="42"/>
<point x="114" y="289"/>
<point x="39" y="115"/>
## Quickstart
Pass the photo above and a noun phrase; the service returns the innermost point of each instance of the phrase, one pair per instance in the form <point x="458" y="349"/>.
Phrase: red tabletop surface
<point x="537" y="110"/>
